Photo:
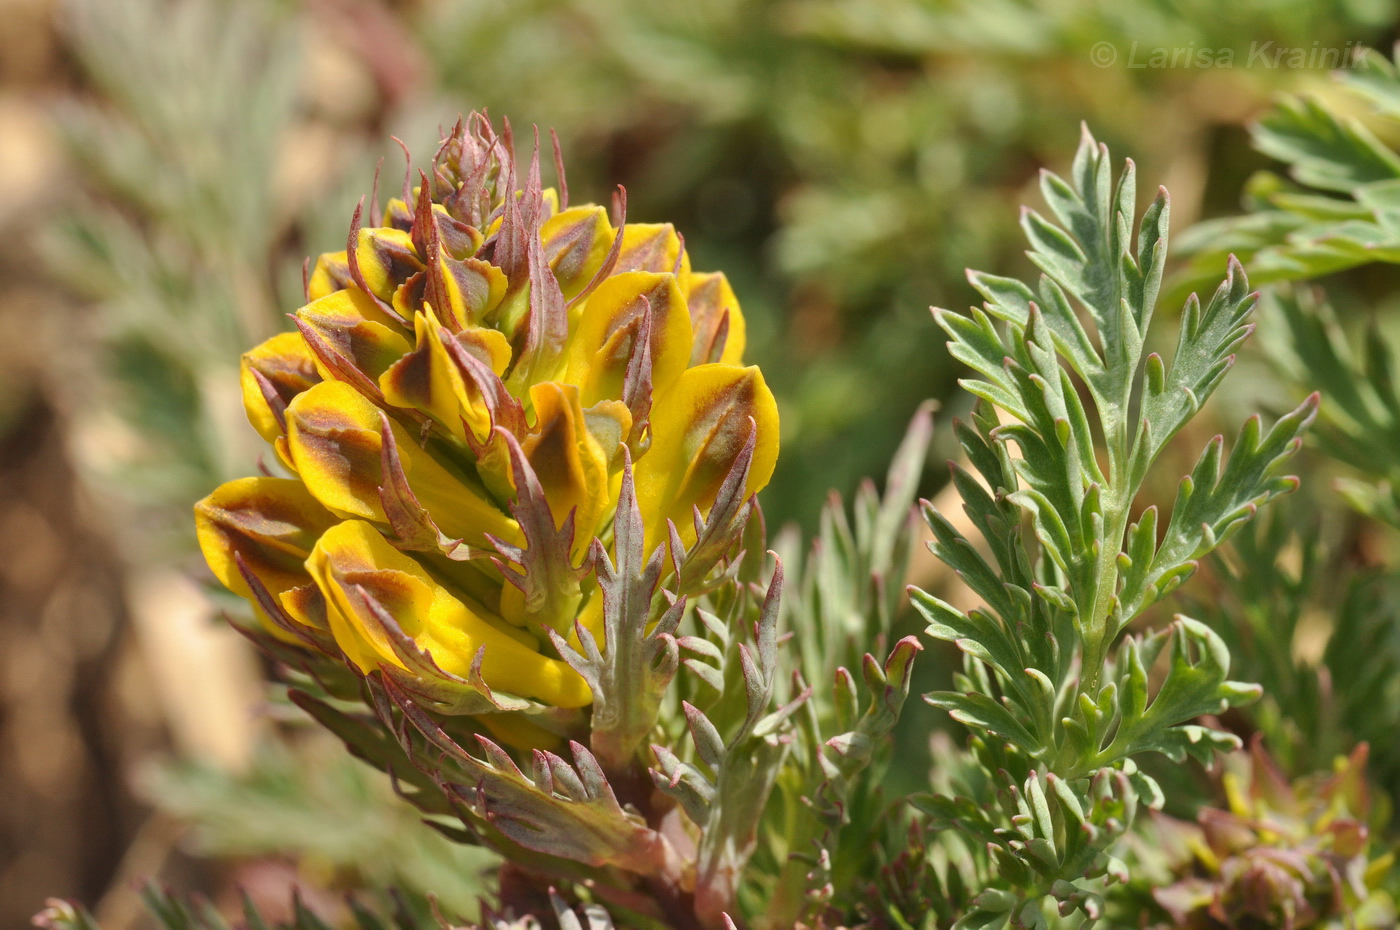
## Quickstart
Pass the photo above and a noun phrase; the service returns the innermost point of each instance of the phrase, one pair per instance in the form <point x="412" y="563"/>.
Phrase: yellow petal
<point x="710" y="298"/>
<point x="488" y="345"/>
<point x="387" y="259"/>
<point x="397" y="214"/>
<point x="354" y="326"/>
<point x="283" y="366"/>
<point x="571" y="465"/>
<point x="610" y="422"/>
<point x="284" y="454"/>
<point x="576" y="242"/>
<point x="697" y="431"/>
<point x="306" y="605"/>
<point x="458" y="239"/>
<point x="330" y="274"/>
<point x="607" y="332"/>
<point x="353" y="555"/>
<point x="477" y="287"/>
<point x="471" y="290"/>
<point x="591" y="619"/>
<point x="273" y="523"/>
<point x="429" y="378"/>
<point x="652" y="247"/>
<point x="518" y="731"/>
<point x="334" y="440"/>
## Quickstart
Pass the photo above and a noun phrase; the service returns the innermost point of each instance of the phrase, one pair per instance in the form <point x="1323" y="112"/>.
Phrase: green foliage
<point x="700" y="663"/>
<point x="1340" y="205"/>
<point x="1337" y="213"/>
<point x="1054" y="705"/>
<point x="844" y="602"/>
<point x="173" y="912"/>
<point x="309" y="801"/>
<point x="175" y="225"/>
<point x="177" y="235"/>
<point x="1280" y="585"/>
<point x="845" y="160"/>
<point x="1360" y="423"/>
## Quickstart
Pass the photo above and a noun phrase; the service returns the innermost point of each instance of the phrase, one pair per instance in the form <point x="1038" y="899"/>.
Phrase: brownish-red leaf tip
<point x="909" y="642"/>
<point x="407" y="169"/>
<point x="559" y="170"/>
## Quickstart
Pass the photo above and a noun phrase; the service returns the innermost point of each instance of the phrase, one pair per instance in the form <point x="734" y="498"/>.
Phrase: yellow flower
<point x="352" y="563"/>
<point x="455" y="410"/>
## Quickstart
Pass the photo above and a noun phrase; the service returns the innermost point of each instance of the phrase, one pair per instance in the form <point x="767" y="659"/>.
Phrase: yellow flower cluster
<point x="455" y="412"/>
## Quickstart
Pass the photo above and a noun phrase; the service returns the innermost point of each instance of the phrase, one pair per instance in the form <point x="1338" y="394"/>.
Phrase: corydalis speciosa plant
<point x="461" y="405"/>
<point x="464" y="528"/>
<point x="1058" y="708"/>
<point x="516" y="559"/>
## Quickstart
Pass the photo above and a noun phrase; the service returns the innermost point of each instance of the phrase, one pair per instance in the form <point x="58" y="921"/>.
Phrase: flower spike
<point x="524" y="452"/>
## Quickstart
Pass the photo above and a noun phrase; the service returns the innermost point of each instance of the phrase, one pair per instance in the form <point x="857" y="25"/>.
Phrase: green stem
<point x="1110" y="543"/>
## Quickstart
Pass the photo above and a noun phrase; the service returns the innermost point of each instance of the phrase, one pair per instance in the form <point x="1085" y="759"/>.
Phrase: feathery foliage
<point x="175" y="226"/>
<point x="1057" y="711"/>
<point x="1279" y="585"/>
<point x="1360" y="425"/>
<point x="175" y="912"/>
<point x="1339" y="206"/>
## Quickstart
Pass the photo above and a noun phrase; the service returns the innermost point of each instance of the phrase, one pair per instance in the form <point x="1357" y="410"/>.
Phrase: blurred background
<point x="166" y="165"/>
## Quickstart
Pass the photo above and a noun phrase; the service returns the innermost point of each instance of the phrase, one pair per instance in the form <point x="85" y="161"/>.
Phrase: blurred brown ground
<point x="71" y="718"/>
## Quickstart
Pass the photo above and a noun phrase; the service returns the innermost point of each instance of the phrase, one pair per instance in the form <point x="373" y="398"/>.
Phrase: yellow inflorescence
<point x="476" y="327"/>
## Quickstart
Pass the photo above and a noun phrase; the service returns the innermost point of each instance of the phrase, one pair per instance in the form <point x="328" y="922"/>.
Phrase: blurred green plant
<point x="846" y="160"/>
<point x="1281" y="852"/>
<point x="180" y="236"/>
<point x="1283" y="588"/>
<point x="173" y="229"/>
<point x="1335" y="212"/>
<point x="338" y="819"/>
<point x="1360" y="424"/>
<point x="176" y="912"/>
<point x="1317" y="633"/>
<point x="1338" y="208"/>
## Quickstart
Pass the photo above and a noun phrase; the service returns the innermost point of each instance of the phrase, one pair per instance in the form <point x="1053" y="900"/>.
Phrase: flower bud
<point x="271" y="375"/>
<point x="336" y="445"/>
<point x="570" y="463"/>
<point x="612" y="320"/>
<point x="698" y="431"/>
<point x="720" y="333"/>
<point x="576" y="243"/>
<point x="653" y="247"/>
<point x="271" y="524"/>
<point x="349" y="327"/>
<point x="353" y="565"/>
<point x="432" y="380"/>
